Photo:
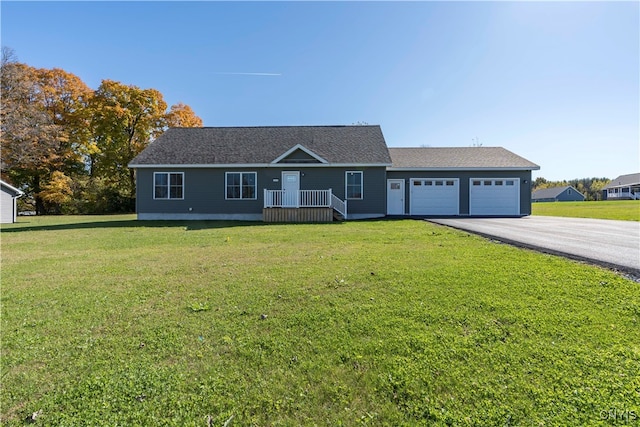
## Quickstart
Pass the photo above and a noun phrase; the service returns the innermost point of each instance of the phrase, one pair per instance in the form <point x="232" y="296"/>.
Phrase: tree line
<point x="67" y="146"/>
<point x="590" y="187"/>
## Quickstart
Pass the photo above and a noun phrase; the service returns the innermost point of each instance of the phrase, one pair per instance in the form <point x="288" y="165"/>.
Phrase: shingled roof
<point x="262" y="145"/>
<point x="624" y="181"/>
<point x="458" y="158"/>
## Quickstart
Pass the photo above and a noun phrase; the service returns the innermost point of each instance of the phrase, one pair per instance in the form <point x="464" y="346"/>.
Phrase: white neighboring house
<point x="8" y="205"/>
<point x="623" y="187"/>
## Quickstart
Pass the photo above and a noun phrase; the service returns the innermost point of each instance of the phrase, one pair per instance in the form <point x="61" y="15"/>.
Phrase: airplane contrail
<point x="248" y="74"/>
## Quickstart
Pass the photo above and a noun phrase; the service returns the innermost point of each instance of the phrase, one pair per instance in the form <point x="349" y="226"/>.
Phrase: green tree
<point x="596" y="188"/>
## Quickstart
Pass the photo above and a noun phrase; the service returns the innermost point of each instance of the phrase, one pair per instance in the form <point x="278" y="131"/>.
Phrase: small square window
<point x="439" y="183"/>
<point x="488" y="182"/>
<point x="510" y="182"/>
<point x="498" y="183"/>
<point x="476" y="183"/>
<point x="450" y="183"/>
<point x="168" y="185"/>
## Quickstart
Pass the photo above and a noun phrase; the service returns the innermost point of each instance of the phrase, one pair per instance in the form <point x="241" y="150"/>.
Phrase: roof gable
<point x="469" y="158"/>
<point x="299" y="154"/>
<point x="261" y="146"/>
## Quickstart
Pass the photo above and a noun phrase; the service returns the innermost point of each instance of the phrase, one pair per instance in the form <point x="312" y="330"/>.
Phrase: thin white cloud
<point x="247" y="74"/>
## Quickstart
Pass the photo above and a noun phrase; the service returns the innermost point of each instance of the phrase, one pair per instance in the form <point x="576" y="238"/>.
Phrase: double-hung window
<point x="353" y="181"/>
<point x="168" y="185"/>
<point x="241" y="185"/>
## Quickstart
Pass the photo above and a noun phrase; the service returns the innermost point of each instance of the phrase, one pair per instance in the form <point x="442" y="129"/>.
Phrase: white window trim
<point x="255" y="192"/>
<point x="168" y="186"/>
<point x="346" y="185"/>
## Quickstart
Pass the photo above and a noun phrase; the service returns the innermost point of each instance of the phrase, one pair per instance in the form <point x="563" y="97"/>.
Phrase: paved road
<point x="611" y="243"/>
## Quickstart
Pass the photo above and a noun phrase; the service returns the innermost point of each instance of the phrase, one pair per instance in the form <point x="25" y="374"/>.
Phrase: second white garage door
<point x="432" y="196"/>
<point x="494" y="196"/>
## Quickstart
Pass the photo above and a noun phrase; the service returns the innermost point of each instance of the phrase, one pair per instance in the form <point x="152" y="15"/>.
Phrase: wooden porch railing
<point x="304" y="199"/>
<point x="339" y="206"/>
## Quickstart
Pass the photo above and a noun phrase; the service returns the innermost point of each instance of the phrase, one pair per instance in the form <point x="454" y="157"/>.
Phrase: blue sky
<point x="556" y="82"/>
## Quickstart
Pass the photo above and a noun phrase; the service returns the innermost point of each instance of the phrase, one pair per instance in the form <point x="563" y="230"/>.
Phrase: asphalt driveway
<point x="610" y="243"/>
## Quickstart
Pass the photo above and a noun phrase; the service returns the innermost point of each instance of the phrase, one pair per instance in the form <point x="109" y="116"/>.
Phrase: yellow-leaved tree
<point x="181" y="115"/>
<point x="58" y="135"/>
<point x="57" y="192"/>
<point x="125" y="119"/>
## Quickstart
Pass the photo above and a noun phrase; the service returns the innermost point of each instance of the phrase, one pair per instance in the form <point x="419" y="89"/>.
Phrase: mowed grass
<point x="626" y="210"/>
<point x="110" y="321"/>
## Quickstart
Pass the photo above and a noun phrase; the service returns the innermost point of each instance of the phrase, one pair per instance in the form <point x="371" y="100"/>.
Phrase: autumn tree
<point x="67" y="146"/>
<point x="65" y="99"/>
<point x="125" y="119"/>
<point x="181" y="115"/>
<point x="29" y="136"/>
<point x="57" y="192"/>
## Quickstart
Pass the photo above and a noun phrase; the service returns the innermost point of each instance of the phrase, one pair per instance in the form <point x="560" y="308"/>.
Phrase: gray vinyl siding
<point x="573" y="197"/>
<point x="464" y="177"/>
<point x="320" y="178"/>
<point x="204" y="189"/>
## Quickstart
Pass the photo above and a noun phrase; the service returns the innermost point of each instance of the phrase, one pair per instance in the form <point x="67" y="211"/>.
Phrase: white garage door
<point x="494" y="196"/>
<point x="433" y="196"/>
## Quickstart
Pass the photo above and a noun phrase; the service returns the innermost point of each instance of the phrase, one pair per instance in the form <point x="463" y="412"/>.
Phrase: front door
<point x="395" y="197"/>
<point x="290" y="189"/>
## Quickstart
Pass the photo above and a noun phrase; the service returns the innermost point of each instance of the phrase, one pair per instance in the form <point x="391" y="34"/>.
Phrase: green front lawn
<point x="110" y="321"/>
<point x="626" y="210"/>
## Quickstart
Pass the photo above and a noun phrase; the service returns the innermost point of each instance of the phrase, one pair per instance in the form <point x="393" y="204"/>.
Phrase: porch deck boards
<point x="297" y="215"/>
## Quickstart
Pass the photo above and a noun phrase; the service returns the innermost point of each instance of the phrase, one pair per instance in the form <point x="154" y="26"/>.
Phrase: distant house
<point x="8" y="204"/>
<point x="624" y="187"/>
<point x="318" y="173"/>
<point x="558" y="194"/>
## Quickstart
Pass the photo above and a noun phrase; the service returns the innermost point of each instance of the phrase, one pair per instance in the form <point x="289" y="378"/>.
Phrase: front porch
<point x="623" y="193"/>
<point x="302" y="206"/>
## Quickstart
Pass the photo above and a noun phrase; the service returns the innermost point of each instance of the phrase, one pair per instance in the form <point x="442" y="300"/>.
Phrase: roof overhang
<point x="261" y="165"/>
<point x="17" y="193"/>
<point x="459" y="169"/>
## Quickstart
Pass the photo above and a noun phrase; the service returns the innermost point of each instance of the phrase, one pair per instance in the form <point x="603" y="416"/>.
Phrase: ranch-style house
<point x="321" y="173"/>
